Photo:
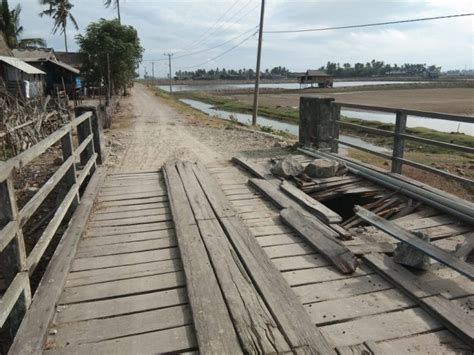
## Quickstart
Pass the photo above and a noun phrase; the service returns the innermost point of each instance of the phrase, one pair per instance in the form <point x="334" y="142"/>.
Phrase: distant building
<point x="314" y="78"/>
<point x="74" y="59"/>
<point x="59" y="75"/>
<point x="21" y="79"/>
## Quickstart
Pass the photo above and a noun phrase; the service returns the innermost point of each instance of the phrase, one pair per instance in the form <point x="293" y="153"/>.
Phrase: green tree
<point x="12" y="29"/>
<point x="116" y="3"/>
<point x="109" y="41"/>
<point x="60" y="12"/>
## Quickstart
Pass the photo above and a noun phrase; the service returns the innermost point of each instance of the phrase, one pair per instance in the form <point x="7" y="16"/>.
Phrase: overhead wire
<point x="369" y="24"/>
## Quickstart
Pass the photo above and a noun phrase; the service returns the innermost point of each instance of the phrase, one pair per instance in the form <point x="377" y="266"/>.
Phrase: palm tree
<point x="12" y="30"/>
<point x="60" y="12"/>
<point x="107" y="3"/>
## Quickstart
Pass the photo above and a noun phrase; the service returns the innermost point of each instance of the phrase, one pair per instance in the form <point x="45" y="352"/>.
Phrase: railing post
<point x="13" y="257"/>
<point x="70" y="178"/>
<point x="399" y="141"/>
<point x="96" y="129"/>
<point x="84" y="129"/>
<point x="318" y="123"/>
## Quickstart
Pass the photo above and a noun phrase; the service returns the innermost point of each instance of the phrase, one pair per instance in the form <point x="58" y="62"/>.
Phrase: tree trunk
<point x="65" y="39"/>
<point x="118" y="11"/>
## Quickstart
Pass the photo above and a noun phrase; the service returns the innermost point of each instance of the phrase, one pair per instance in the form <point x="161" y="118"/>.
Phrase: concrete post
<point x="96" y="129"/>
<point x="319" y="126"/>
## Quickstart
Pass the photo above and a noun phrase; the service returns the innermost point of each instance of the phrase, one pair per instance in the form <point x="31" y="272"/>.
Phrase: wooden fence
<point x="78" y="163"/>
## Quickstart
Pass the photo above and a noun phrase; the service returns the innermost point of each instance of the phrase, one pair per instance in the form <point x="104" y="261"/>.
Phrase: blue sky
<point x="189" y="26"/>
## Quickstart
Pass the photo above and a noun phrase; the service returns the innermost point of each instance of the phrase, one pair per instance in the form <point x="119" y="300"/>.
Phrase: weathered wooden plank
<point x="156" y="218"/>
<point x="127" y="238"/>
<point x="270" y="230"/>
<point x="132" y="208"/>
<point x="101" y="262"/>
<point x="279" y="239"/>
<point x="310" y="229"/>
<point x="324" y="213"/>
<point x="324" y="274"/>
<point x="150" y="227"/>
<point x="300" y="262"/>
<point x="125" y="248"/>
<point x="280" y="251"/>
<point x="122" y="287"/>
<point x="133" y="202"/>
<point x="94" y="331"/>
<point x="296" y="325"/>
<point x="409" y="238"/>
<point x="120" y="306"/>
<point x="448" y="313"/>
<point x="130" y="214"/>
<point x="123" y="272"/>
<point x="134" y="196"/>
<point x="172" y="340"/>
<point x="381" y="327"/>
<point x="33" y="330"/>
<point x="256" y="169"/>
<point x="211" y="317"/>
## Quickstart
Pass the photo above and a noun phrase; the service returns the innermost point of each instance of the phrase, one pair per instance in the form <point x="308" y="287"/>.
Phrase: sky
<point x="185" y="27"/>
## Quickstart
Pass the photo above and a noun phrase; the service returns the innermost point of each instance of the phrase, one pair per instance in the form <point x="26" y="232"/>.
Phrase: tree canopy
<point x="60" y="12"/>
<point x="122" y="46"/>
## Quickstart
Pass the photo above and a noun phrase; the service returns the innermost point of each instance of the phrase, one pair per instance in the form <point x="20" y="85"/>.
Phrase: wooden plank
<point x="310" y="230"/>
<point x="448" y="313"/>
<point x="122" y="287"/>
<point x="278" y="296"/>
<point x="33" y="330"/>
<point x="127" y="238"/>
<point x="258" y="331"/>
<point x="101" y="262"/>
<point x="135" y="196"/>
<point x="216" y="331"/>
<point x="172" y="340"/>
<point x="324" y="213"/>
<point x="280" y="239"/>
<point x="133" y="202"/>
<point x="20" y="284"/>
<point x="254" y="168"/>
<point x="131" y="221"/>
<point x="381" y="327"/>
<point x="95" y="276"/>
<point x="126" y="248"/>
<point x="94" y="331"/>
<point x="323" y="274"/>
<point x="149" y="227"/>
<point x="131" y="209"/>
<point x="281" y="251"/>
<point x="129" y="214"/>
<point x="409" y="238"/>
<point x="300" y="262"/>
<point x="120" y="306"/>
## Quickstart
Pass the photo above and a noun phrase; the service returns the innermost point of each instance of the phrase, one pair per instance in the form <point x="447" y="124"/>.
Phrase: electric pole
<point x="257" y="74"/>
<point x="152" y="73"/>
<point x="171" y="78"/>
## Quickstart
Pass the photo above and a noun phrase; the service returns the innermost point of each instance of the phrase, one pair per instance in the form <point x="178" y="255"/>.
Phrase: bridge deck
<point x="127" y="292"/>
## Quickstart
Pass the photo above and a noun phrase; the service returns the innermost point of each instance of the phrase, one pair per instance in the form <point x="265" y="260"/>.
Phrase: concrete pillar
<point x="319" y="126"/>
<point x="96" y="129"/>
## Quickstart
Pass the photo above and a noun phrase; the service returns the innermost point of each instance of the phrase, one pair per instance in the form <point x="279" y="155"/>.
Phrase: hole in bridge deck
<point x="344" y="204"/>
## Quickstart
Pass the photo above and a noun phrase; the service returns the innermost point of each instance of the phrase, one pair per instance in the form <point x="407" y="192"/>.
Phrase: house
<point x="316" y="77"/>
<point x="74" y="59"/>
<point x="59" y="75"/>
<point x="21" y="79"/>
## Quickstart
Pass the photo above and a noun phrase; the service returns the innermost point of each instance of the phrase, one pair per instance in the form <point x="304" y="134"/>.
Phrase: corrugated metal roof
<point x="34" y="53"/>
<point x="66" y="66"/>
<point x="21" y="65"/>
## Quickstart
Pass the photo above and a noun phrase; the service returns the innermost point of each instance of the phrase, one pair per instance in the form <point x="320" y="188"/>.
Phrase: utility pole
<point x="257" y="74"/>
<point x="153" y="73"/>
<point x="171" y="78"/>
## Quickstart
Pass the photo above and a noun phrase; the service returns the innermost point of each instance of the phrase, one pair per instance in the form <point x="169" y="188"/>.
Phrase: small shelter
<point x="74" y="59"/>
<point x="316" y="77"/>
<point x="59" y="75"/>
<point x="20" y="78"/>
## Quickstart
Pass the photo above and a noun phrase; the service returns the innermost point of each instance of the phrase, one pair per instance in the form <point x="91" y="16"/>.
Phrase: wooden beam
<point x="215" y="331"/>
<point x="287" y="309"/>
<point x="310" y="229"/>
<point x="34" y="329"/>
<point x="403" y="235"/>
<point x="448" y="313"/>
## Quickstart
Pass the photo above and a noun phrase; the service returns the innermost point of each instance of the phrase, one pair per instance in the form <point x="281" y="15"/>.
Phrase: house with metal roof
<point x="59" y="75"/>
<point x="316" y="78"/>
<point x="20" y="78"/>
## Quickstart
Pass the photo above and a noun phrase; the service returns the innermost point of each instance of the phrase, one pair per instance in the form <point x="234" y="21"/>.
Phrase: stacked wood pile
<point x="25" y="123"/>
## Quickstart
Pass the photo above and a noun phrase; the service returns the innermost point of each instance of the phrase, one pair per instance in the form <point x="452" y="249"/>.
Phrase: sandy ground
<point x="148" y="131"/>
<point x="448" y="100"/>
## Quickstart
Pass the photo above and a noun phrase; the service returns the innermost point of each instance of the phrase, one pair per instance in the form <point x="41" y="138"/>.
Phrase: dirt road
<point x="149" y="131"/>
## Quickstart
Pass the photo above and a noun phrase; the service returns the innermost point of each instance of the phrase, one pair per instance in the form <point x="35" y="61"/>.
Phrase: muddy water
<point x="275" y="124"/>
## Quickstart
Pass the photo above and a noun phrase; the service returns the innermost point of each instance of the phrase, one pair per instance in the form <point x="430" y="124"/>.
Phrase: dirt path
<point x="149" y="132"/>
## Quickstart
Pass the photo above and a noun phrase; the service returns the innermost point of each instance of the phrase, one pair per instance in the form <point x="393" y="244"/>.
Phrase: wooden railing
<point x="400" y="136"/>
<point x="78" y="163"/>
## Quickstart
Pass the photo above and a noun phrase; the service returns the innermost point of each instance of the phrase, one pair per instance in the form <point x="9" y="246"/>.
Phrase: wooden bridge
<point x="225" y="258"/>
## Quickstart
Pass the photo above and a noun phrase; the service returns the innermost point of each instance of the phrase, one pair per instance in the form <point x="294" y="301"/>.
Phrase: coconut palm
<point x="60" y="12"/>
<point x="12" y="30"/>
<point x="116" y="3"/>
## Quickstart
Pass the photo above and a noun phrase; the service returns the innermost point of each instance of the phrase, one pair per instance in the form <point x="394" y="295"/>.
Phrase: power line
<point x="369" y="24"/>
<point x="223" y="53"/>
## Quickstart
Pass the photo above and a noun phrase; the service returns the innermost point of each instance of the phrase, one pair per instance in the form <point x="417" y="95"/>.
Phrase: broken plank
<point x="326" y="214"/>
<point x="409" y="238"/>
<point x="254" y="168"/>
<point x="311" y="231"/>
<point x="211" y="317"/>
